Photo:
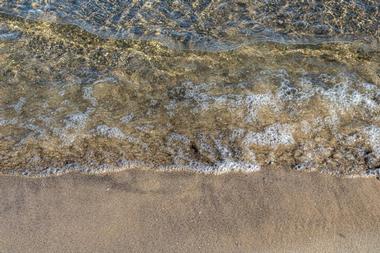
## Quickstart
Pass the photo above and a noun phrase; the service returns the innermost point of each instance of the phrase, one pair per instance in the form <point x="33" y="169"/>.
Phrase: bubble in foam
<point x="6" y="122"/>
<point x="39" y="132"/>
<point x="256" y="101"/>
<point x="179" y="138"/>
<point x="110" y="132"/>
<point x="217" y="168"/>
<point x="237" y="134"/>
<point x="232" y="166"/>
<point x="170" y="108"/>
<point x="373" y="172"/>
<point x="373" y="135"/>
<point x="76" y="120"/>
<point x="343" y="98"/>
<point x="88" y="95"/>
<point x="19" y="105"/>
<point x="223" y="150"/>
<point x="274" y="135"/>
<point x="65" y="137"/>
<point x="369" y="86"/>
<point x="127" y="118"/>
<point x="144" y="128"/>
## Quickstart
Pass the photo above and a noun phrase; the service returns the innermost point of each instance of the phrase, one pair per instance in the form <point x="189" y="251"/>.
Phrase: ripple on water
<point x="209" y="25"/>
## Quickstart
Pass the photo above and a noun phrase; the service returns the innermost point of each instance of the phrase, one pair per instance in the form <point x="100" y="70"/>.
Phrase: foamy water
<point x="207" y="86"/>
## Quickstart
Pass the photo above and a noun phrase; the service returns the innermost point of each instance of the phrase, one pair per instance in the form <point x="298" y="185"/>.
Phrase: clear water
<point x="209" y="86"/>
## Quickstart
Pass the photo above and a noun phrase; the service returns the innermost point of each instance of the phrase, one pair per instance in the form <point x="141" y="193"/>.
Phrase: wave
<point x="72" y="102"/>
<point x="207" y="127"/>
<point x="210" y="25"/>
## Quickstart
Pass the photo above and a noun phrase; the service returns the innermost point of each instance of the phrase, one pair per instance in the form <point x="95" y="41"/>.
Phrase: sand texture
<point x="144" y="211"/>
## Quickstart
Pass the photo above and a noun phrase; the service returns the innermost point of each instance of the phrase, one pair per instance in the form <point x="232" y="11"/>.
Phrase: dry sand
<point x="144" y="211"/>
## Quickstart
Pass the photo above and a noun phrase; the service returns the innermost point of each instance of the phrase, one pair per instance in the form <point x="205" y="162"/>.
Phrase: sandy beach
<point x="145" y="211"/>
<point x="189" y="126"/>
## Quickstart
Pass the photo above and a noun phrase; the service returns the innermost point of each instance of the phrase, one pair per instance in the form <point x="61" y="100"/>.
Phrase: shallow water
<point x="212" y="86"/>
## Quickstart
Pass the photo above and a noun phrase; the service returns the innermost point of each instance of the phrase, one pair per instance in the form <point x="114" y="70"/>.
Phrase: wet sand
<point x="144" y="211"/>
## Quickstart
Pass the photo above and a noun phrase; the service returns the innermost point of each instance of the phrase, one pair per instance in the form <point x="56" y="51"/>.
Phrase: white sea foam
<point x="74" y="127"/>
<point x="237" y="134"/>
<point x="199" y="98"/>
<point x="232" y="166"/>
<point x="88" y="95"/>
<point x="6" y="122"/>
<point x="373" y="135"/>
<point x="19" y="105"/>
<point x="343" y="98"/>
<point x="227" y="149"/>
<point x="373" y="172"/>
<point x="127" y="118"/>
<point x="76" y="120"/>
<point x="122" y="165"/>
<point x="218" y="168"/>
<point x="170" y="107"/>
<point x="256" y="101"/>
<point x="222" y="149"/>
<point x="144" y="128"/>
<point x="178" y="137"/>
<point x="110" y="132"/>
<point x="274" y="135"/>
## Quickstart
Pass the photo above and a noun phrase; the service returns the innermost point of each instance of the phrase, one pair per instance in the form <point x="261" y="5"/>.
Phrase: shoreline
<point x="154" y="211"/>
<point x="216" y="170"/>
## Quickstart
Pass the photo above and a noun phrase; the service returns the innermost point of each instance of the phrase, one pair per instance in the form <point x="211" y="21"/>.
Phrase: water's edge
<point x="96" y="93"/>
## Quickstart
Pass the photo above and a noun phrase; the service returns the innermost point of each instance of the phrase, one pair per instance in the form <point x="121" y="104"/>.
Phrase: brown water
<point x="210" y="86"/>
